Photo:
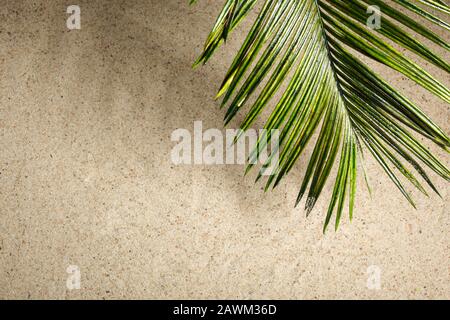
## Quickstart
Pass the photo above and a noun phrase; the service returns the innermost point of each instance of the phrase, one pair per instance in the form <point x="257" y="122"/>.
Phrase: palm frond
<point x="309" y="46"/>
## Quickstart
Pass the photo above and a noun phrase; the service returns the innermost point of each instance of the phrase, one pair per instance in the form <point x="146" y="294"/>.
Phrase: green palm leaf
<point x="310" y="45"/>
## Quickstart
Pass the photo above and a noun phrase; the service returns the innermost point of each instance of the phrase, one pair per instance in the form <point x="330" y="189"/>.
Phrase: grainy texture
<point x="86" y="177"/>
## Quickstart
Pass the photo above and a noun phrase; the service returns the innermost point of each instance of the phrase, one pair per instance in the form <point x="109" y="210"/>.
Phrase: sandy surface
<point x="86" y="178"/>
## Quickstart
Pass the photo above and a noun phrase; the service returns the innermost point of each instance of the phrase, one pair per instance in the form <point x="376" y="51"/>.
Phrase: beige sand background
<point x="86" y="177"/>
